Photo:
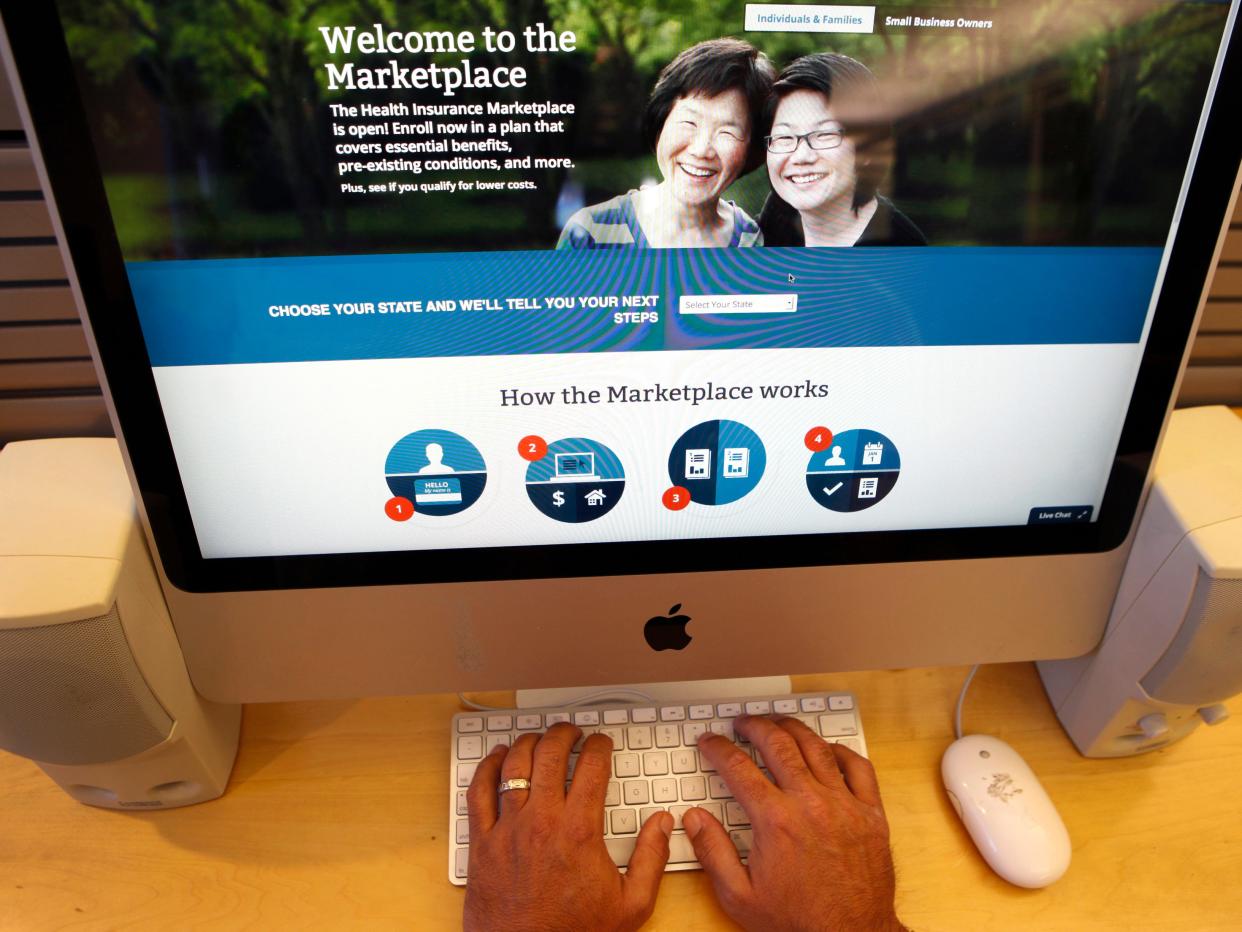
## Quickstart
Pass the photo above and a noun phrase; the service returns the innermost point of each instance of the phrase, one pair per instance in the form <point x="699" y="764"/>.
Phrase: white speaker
<point x="93" y="687"/>
<point x="1172" y="652"/>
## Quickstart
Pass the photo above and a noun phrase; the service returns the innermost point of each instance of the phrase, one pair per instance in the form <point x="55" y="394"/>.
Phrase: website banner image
<point x="422" y="275"/>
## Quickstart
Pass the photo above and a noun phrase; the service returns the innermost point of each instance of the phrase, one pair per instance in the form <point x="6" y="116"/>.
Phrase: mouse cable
<point x="961" y="697"/>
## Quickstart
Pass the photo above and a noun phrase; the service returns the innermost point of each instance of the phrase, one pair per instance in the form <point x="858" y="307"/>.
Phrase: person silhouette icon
<point x="435" y="461"/>
<point x="835" y="459"/>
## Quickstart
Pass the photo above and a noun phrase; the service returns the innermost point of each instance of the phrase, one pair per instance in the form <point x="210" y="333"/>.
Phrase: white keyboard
<point x="655" y="762"/>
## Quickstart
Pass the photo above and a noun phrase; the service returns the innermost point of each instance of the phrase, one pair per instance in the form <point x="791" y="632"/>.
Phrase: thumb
<point x="715" y="851"/>
<point x="646" y="867"/>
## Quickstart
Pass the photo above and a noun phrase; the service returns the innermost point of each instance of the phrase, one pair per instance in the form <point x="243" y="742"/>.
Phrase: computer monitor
<point x="455" y="352"/>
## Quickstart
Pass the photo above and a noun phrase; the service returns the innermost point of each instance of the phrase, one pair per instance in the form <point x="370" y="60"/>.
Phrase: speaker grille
<point x="72" y="694"/>
<point x="1203" y="665"/>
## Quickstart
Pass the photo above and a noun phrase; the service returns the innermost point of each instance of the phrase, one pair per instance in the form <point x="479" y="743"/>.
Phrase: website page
<point x="426" y="275"/>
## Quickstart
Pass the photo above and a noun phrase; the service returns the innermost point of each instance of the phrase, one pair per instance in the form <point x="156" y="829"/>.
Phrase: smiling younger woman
<point x="827" y="152"/>
<point x="701" y="121"/>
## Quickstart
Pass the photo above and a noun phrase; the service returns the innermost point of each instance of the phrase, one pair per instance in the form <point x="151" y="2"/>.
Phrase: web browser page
<point x="438" y="278"/>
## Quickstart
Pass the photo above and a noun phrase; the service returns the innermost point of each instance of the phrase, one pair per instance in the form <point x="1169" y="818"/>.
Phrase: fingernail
<point x="690" y="822"/>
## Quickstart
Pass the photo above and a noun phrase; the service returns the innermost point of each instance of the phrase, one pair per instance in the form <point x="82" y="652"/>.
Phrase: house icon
<point x="595" y="497"/>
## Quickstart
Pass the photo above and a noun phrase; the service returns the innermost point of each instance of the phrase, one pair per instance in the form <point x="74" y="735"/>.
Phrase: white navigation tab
<point x="737" y="303"/>
<point x="799" y="17"/>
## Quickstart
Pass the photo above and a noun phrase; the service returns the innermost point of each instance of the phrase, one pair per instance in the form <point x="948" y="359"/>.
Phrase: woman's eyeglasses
<point x="785" y="143"/>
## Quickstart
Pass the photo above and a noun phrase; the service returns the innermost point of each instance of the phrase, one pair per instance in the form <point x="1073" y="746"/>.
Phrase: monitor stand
<point x="654" y="692"/>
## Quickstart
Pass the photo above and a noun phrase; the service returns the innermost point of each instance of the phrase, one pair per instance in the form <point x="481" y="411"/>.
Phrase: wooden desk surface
<point x="336" y="817"/>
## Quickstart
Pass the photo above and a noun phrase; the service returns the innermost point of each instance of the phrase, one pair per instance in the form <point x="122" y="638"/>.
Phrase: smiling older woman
<point x="701" y="121"/>
<point x="827" y="151"/>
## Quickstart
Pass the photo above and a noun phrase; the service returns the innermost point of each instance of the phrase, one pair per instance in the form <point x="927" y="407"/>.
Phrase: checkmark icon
<point x="828" y="491"/>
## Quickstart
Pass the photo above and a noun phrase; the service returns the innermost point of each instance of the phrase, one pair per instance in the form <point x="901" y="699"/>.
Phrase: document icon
<point x="698" y="464"/>
<point x="736" y="463"/>
<point x="868" y="487"/>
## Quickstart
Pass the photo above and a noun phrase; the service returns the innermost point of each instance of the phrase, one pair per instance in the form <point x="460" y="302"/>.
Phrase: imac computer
<point x="615" y="345"/>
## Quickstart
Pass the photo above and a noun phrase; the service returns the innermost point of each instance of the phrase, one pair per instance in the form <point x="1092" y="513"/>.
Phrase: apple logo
<point x="667" y="632"/>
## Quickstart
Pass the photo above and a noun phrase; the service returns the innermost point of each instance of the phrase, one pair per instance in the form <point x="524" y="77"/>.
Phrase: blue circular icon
<point x="855" y="472"/>
<point x="717" y="462"/>
<point x="577" y="480"/>
<point x="441" y="472"/>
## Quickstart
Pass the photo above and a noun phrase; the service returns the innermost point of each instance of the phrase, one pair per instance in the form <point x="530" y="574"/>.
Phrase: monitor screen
<point x="415" y="293"/>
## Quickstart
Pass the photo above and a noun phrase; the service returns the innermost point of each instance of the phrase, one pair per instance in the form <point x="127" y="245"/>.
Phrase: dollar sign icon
<point x="558" y="498"/>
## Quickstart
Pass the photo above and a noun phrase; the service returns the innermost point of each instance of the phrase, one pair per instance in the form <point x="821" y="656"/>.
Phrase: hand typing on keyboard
<point x="819" y="855"/>
<point x="537" y="855"/>
<point x="817" y="836"/>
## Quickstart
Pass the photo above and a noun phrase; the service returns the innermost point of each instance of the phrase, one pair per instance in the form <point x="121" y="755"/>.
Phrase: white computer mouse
<point x="1006" y="811"/>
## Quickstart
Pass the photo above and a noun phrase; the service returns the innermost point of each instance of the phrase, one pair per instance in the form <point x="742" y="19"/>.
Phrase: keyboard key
<point x="462" y="807"/>
<point x="693" y="788"/>
<point x="586" y="733"/>
<point x="680" y="851"/>
<point x="469" y="747"/>
<point x="667" y="736"/>
<point x="635" y="792"/>
<point x="701" y="711"/>
<point x="588" y="717"/>
<point x="646" y="813"/>
<point x="646" y="714"/>
<point x="500" y="723"/>
<point x="723" y="728"/>
<point x="495" y="740"/>
<point x="717" y="788"/>
<point x="625" y="765"/>
<point x="465" y="773"/>
<point x="664" y="790"/>
<point x="530" y="721"/>
<point x="742" y="838"/>
<point x="470" y="724"/>
<point x="461" y="860"/>
<point x="840" y="703"/>
<point x="554" y="718"/>
<point x="617" y="736"/>
<point x="735" y="815"/>
<point x="684" y="761"/>
<point x="690" y="732"/>
<point x="673" y="713"/>
<point x="638" y="737"/>
<point x="785" y="706"/>
<point x="852" y="743"/>
<point x="624" y="822"/>
<point x="612" y="796"/>
<point x="837" y="723"/>
<point x="678" y="812"/>
<point x="729" y="709"/>
<point x="715" y="809"/>
<point x="758" y="707"/>
<point x="616" y="716"/>
<point x="463" y="831"/>
<point x="655" y="763"/>
<point x="704" y="764"/>
<point x="814" y="704"/>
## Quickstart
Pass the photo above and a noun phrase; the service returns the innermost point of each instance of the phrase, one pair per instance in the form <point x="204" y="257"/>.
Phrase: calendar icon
<point x="872" y="453"/>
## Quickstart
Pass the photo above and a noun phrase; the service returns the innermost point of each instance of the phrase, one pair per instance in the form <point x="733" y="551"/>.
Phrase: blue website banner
<point x="211" y="312"/>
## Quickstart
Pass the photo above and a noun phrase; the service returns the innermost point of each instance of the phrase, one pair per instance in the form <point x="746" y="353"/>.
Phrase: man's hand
<point x="819" y="858"/>
<point x="537" y="857"/>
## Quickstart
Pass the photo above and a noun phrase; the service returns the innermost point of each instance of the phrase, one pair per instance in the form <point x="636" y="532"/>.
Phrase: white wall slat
<point x="34" y="303"/>
<point x="74" y="416"/>
<point x="30" y="263"/>
<point x="52" y="341"/>
<point x="25" y="218"/>
<point x="54" y="376"/>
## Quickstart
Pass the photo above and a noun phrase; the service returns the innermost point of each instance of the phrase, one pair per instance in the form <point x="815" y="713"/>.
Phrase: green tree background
<point x="1070" y="122"/>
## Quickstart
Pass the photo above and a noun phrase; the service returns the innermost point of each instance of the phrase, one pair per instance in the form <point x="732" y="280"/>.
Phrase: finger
<point x="739" y="773"/>
<point x="646" y="868"/>
<point x="715" y="851"/>
<point x="815" y="751"/>
<point x="517" y="763"/>
<point x="547" y="777"/>
<point x="591" y="775"/>
<point x="481" y="802"/>
<point x="781" y="753"/>
<point x="859" y="775"/>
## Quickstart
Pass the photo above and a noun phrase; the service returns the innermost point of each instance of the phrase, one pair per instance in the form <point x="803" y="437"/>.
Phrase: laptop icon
<point x="572" y="467"/>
